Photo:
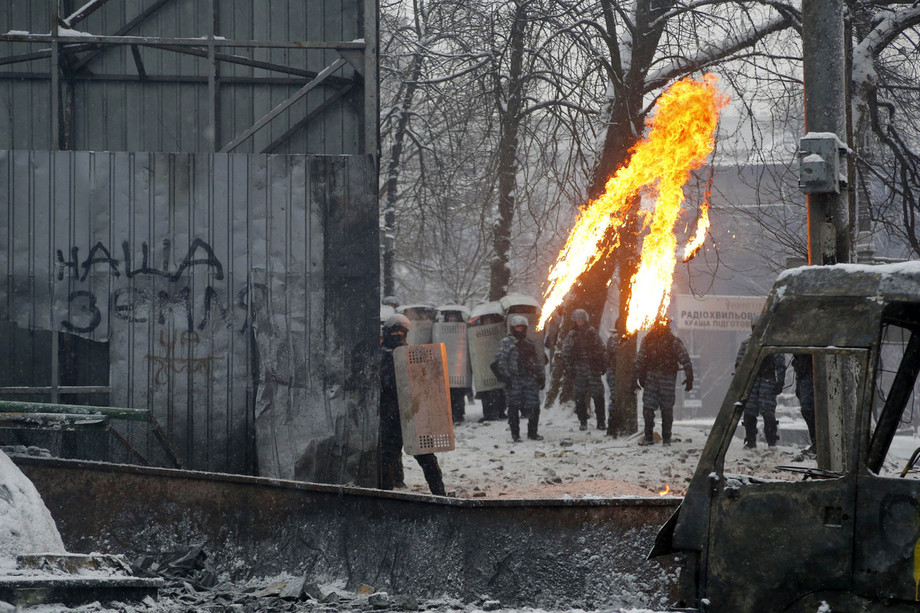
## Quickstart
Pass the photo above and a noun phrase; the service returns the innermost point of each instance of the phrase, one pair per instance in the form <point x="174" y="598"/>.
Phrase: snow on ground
<point x="572" y="463"/>
<point x="578" y="464"/>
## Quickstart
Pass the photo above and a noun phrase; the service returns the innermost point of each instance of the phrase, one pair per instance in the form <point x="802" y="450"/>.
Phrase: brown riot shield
<point x="453" y="336"/>
<point x="483" y="342"/>
<point x="424" y="398"/>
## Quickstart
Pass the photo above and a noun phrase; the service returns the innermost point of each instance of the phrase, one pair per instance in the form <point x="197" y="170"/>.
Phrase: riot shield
<point x="419" y="332"/>
<point x="483" y="342"/>
<point x="453" y="336"/>
<point x="424" y="398"/>
<point x="421" y="317"/>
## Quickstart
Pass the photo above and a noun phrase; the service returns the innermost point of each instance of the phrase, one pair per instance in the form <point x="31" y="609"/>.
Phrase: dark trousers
<point x="458" y="403"/>
<point x="391" y="451"/>
<point x="581" y="409"/>
<point x="514" y="420"/>
<point x="493" y="404"/>
<point x="770" y="427"/>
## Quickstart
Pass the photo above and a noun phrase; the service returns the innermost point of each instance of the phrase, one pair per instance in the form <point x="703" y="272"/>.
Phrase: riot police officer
<point x="395" y="329"/>
<point x="761" y="400"/>
<point x="661" y="354"/>
<point x="521" y="369"/>
<point x="583" y="356"/>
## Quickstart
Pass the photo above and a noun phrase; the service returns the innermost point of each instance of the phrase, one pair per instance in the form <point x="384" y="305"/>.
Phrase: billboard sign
<point x="716" y="313"/>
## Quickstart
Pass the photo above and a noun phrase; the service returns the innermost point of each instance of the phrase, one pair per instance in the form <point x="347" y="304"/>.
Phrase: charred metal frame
<point x="847" y="536"/>
<point x="589" y="553"/>
<point x="71" y="56"/>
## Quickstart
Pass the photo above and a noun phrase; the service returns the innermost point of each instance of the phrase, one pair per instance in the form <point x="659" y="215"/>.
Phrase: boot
<point x="649" y="434"/>
<point x="750" y="432"/>
<point x="532" y="430"/>
<point x="516" y="433"/>
<point x="432" y="471"/>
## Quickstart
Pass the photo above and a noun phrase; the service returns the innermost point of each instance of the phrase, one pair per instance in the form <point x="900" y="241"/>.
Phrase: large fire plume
<point x="680" y="138"/>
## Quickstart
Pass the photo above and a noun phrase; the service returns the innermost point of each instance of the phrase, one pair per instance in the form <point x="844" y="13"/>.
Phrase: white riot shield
<point x="419" y="332"/>
<point x="424" y="398"/>
<point x="453" y="336"/>
<point x="483" y="342"/>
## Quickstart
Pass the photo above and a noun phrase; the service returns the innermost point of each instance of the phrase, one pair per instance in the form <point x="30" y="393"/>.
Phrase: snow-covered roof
<point x="883" y="282"/>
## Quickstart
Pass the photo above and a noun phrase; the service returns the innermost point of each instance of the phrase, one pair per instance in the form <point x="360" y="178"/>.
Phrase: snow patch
<point x="26" y="525"/>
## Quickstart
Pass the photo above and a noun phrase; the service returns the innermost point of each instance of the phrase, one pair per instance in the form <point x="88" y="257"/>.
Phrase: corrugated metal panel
<point x="105" y="106"/>
<point x="181" y="262"/>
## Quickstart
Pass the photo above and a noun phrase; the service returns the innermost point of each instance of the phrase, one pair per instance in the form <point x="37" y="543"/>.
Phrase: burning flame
<point x="694" y="244"/>
<point x="665" y="491"/>
<point x="679" y="141"/>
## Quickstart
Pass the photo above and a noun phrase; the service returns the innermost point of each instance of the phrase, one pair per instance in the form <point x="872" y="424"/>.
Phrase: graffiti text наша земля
<point x="138" y="304"/>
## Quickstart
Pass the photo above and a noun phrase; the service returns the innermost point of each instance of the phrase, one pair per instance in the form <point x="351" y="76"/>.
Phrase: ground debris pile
<point x="281" y="593"/>
<point x="187" y="565"/>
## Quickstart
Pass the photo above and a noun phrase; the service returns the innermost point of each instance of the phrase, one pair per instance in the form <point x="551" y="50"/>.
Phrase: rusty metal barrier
<point x="550" y="553"/>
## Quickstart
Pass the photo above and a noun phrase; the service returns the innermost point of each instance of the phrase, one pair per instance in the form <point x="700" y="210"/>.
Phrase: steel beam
<point x="319" y="110"/>
<point x="303" y="91"/>
<point x="83" y="12"/>
<point x="191" y="42"/>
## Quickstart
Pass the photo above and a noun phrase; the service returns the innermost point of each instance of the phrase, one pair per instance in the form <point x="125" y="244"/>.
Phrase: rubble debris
<point x="187" y="565"/>
<point x="294" y="589"/>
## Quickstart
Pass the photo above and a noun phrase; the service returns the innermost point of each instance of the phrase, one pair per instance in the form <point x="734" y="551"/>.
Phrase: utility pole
<point x="824" y="65"/>
<point x="822" y="153"/>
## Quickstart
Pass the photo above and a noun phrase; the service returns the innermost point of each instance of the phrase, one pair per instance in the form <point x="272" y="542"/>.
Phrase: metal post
<point x="55" y="367"/>
<point x="824" y="68"/>
<point x="213" y="86"/>
<point x="824" y="71"/>
<point x="55" y="82"/>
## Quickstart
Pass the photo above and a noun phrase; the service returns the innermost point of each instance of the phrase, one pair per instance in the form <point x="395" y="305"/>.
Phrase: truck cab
<point x="840" y="524"/>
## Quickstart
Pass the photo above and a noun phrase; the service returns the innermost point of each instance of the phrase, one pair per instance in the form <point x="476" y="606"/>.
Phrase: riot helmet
<point x="580" y="315"/>
<point x="396" y="323"/>
<point x="395" y="329"/>
<point x="517" y="322"/>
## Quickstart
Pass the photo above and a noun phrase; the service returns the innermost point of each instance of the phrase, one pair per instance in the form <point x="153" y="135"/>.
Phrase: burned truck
<point x="838" y="528"/>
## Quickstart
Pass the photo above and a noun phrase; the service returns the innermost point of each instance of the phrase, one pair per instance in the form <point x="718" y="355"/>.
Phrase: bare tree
<point x="885" y="73"/>
<point x="641" y="48"/>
